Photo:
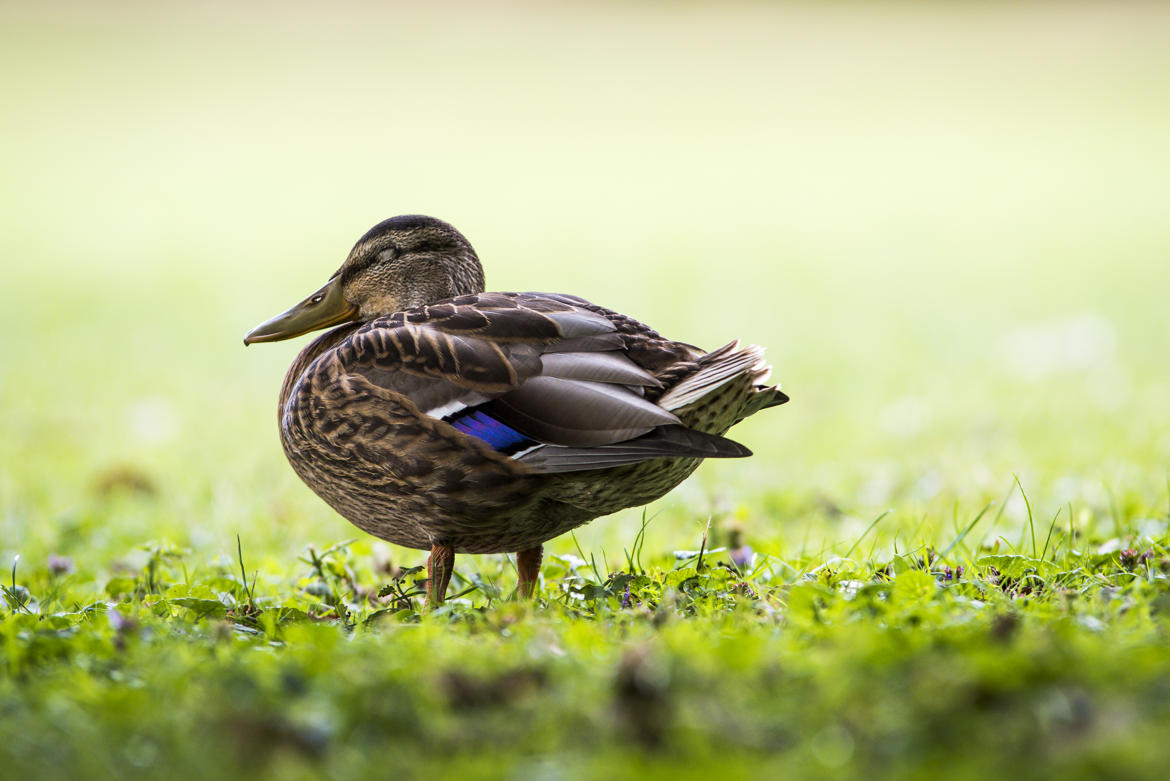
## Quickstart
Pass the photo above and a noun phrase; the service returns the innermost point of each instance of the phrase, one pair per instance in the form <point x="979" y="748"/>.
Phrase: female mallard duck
<point x="441" y="417"/>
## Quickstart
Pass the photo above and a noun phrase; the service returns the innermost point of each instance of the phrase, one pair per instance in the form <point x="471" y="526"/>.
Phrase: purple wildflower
<point x="742" y="556"/>
<point x="60" y="565"/>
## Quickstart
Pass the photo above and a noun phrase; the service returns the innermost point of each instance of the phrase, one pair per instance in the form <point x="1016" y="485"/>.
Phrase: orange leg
<point x="440" y="564"/>
<point x="528" y="565"/>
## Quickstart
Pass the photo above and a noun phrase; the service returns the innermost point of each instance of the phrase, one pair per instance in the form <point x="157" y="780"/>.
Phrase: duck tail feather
<point x="715" y="370"/>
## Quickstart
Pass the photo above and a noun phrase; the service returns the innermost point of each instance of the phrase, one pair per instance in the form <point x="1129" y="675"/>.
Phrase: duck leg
<point x="440" y="564"/>
<point x="528" y="567"/>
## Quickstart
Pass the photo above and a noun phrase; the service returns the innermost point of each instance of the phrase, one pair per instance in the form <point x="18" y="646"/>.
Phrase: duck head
<point x="400" y="263"/>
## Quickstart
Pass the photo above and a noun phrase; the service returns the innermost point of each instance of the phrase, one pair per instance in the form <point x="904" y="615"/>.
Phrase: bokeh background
<point x="948" y="223"/>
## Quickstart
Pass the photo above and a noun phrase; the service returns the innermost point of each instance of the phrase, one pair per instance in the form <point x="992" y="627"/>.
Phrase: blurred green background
<point x="949" y="225"/>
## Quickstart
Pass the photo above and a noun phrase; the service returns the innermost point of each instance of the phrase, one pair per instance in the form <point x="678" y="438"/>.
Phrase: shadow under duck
<point x="444" y="418"/>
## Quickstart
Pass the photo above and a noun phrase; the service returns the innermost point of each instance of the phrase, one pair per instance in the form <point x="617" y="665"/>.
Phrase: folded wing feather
<point x="544" y="366"/>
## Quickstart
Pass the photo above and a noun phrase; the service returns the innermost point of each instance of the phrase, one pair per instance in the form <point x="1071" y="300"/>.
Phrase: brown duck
<point x="444" y="418"/>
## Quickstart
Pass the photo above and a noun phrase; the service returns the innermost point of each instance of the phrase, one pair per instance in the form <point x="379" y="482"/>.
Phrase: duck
<point x="442" y="417"/>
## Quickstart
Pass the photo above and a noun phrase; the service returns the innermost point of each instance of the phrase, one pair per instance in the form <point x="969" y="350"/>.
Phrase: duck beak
<point x="324" y="308"/>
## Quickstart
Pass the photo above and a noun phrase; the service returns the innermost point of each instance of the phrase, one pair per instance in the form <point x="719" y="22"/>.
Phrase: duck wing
<point x="545" y="379"/>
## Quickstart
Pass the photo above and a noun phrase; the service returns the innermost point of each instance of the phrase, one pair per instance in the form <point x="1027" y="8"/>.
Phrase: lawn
<point x="949" y="227"/>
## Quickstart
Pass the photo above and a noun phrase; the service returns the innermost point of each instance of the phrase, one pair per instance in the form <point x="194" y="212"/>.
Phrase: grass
<point x="965" y="662"/>
<point x="947" y="557"/>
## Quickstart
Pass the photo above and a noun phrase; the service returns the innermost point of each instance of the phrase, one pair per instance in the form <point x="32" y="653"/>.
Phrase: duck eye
<point x="316" y="299"/>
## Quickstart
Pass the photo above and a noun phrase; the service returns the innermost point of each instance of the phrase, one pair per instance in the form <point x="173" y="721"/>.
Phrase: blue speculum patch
<point x="501" y="437"/>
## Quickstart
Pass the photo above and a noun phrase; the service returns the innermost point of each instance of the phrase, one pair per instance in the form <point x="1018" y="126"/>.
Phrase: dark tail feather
<point x="770" y="397"/>
<point x="763" y="398"/>
<point x="662" y="442"/>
